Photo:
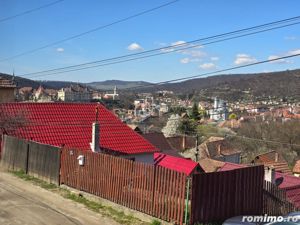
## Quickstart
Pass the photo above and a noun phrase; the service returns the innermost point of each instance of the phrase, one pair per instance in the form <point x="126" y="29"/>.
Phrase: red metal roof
<point x="70" y="124"/>
<point x="186" y="166"/>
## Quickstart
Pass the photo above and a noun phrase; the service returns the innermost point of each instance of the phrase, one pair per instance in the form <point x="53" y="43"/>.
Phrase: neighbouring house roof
<point x="291" y="185"/>
<point x="177" y="142"/>
<point x="160" y="142"/>
<point x="182" y="165"/>
<point x="4" y="83"/>
<point x="210" y="165"/>
<point x="274" y="159"/>
<point x="297" y="167"/>
<point x="70" y="124"/>
<point x="231" y="166"/>
<point x="216" y="147"/>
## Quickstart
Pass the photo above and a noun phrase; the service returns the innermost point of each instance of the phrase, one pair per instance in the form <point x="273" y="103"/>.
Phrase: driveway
<point x="22" y="203"/>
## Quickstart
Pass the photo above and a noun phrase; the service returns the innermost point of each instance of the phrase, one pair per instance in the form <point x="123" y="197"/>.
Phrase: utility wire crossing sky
<point x="154" y="25"/>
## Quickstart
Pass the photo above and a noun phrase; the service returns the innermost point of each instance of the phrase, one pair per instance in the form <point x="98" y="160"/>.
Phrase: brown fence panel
<point x="44" y="162"/>
<point x="221" y="195"/>
<point x="14" y="153"/>
<point x="36" y="159"/>
<point x="153" y="190"/>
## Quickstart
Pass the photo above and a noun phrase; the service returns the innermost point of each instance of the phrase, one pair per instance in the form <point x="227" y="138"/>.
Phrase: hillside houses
<point x="74" y="93"/>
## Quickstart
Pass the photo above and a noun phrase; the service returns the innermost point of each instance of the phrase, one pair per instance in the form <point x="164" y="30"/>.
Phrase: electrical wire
<point x="30" y="11"/>
<point x="89" y="31"/>
<point x="166" y="50"/>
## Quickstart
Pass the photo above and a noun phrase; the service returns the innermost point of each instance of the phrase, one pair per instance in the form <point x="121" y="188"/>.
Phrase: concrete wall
<point x="7" y="95"/>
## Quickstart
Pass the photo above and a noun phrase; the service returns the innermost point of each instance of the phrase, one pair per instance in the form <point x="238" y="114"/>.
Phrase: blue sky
<point x="185" y="20"/>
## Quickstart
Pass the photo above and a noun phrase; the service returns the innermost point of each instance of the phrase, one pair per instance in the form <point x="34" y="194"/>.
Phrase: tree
<point x="9" y="123"/>
<point x="187" y="126"/>
<point x="195" y="112"/>
<point x="232" y="116"/>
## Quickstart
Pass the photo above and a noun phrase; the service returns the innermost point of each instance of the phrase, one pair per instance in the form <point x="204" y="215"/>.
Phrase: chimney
<point x="95" y="134"/>
<point x="183" y="141"/>
<point x="276" y="156"/>
<point x="270" y="174"/>
<point x="219" y="149"/>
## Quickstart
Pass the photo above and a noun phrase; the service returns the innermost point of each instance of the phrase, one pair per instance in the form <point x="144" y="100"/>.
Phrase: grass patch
<point x="118" y="216"/>
<point x="155" y="222"/>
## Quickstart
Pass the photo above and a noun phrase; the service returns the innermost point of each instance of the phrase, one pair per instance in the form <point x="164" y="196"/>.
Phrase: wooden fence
<point x="36" y="159"/>
<point x="152" y="190"/>
<point x="275" y="201"/>
<point x="221" y="195"/>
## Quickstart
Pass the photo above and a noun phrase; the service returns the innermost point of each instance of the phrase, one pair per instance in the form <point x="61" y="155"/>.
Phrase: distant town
<point x="149" y="112"/>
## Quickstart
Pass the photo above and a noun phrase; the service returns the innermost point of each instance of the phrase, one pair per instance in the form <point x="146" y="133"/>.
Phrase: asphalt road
<point x="22" y="203"/>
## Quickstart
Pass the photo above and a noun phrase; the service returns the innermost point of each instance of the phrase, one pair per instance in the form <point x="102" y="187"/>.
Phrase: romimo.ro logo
<point x="270" y="219"/>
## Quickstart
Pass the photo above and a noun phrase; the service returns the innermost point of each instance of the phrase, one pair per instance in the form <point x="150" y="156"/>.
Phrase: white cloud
<point x="290" y="38"/>
<point x="214" y="58"/>
<point x="185" y="60"/>
<point x="244" y="59"/>
<point x="181" y="43"/>
<point x="207" y="66"/>
<point x="176" y="44"/>
<point x="294" y="52"/>
<point x="279" y="61"/>
<point x="189" y="60"/>
<point x="193" y="53"/>
<point x="134" y="47"/>
<point x="60" y="49"/>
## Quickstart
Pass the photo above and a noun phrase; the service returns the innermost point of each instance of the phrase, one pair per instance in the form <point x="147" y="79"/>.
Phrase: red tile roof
<point x="292" y="186"/>
<point x="274" y="159"/>
<point x="174" y="163"/>
<point x="70" y="124"/>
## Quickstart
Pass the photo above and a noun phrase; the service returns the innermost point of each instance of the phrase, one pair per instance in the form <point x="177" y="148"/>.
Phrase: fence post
<point x="153" y="192"/>
<point x="187" y="201"/>
<point x="27" y="159"/>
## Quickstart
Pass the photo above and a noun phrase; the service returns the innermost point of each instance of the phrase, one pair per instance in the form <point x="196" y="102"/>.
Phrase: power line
<point x="30" y="11"/>
<point x="89" y="31"/>
<point x="214" y="72"/>
<point x="171" y="48"/>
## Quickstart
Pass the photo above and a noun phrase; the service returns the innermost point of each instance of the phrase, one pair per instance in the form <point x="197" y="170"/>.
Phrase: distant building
<point x="113" y="96"/>
<point x="163" y="108"/>
<point x="296" y="169"/>
<point x="7" y="90"/>
<point x="75" y="93"/>
<point x="219" y="111"/>
<point x="25" y="93"/>
<point x="40" y="95"/>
